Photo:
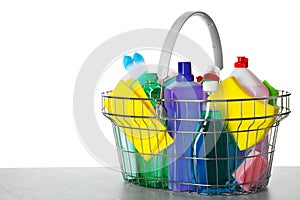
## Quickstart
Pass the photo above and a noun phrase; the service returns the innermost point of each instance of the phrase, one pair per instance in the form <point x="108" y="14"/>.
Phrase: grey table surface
<point x="104" y="183"/>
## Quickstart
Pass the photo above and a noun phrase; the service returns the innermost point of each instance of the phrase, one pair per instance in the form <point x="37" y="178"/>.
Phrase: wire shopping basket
<point x="218" y="145"/>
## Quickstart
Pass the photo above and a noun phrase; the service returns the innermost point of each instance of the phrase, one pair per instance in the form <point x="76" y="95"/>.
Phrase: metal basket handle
<point x="170" y="40"/>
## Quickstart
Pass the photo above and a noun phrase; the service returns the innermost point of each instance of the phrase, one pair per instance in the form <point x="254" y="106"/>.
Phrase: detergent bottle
<point x="134" y="164"/>
<point x="210" y="143"/>
<point x="135" y="117"/>
<point x="255" y="88"/>
<point x="127" y="151"/>
<point x="248" y="80"/>
<point x="215" y="152"/>
<point x="182" y="114"/>
<point x="153" y="172"/>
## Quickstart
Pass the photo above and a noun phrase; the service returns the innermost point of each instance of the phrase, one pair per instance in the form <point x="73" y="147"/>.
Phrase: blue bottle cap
<point x="138" y="58"/>
<point x="184" y="72"/>
<point x="127" y="61"/>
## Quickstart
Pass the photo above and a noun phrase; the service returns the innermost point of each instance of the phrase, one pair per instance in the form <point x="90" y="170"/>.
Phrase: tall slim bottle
<point x="214" y="149"/>
<point x="217" y="155"/>
<point x="126" y="150"/>
<point x="182" y="125"/>
<point x="153" y="173"/>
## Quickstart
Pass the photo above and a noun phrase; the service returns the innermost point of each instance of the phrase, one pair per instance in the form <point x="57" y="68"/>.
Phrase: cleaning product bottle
<point x="216" y="154"/>
<point x="154" y="172"/>
<point x="127" y="150"/>
<point x="147" y="133"/>
<point x="182" y="115"/>
<point x="257" y="89"/>
<point x="127" y="153"/>
<point x="248" y="80"/>
<point x="211" y="143"/>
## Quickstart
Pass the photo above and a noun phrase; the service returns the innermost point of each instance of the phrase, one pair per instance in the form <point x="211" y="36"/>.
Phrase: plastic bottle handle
<point x="172" y="36"/>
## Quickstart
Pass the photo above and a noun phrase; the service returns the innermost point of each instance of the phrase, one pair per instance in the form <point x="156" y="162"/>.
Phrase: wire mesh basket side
<point x="199" y="153"/>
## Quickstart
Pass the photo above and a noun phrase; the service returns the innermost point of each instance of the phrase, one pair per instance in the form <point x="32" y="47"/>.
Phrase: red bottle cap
<point x="242" y="62"/>
<point x="199" y="79"/>
<point x="211" y="76"/>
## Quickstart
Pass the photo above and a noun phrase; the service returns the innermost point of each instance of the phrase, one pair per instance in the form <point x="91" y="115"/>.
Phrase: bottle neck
<point x="150" y="82"/>
<point x="184" y="78"/>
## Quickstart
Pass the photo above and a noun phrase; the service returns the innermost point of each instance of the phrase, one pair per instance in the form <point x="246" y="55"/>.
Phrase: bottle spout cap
<point x="199" y="79"/>
<point x="184" y="72"/>
<point x="242" y="62"/>
<point x="127" y="61"/>
<point x="138" y="58"/>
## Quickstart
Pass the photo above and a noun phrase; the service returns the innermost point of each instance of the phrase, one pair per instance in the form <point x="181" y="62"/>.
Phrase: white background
<point x="43" y="45"/>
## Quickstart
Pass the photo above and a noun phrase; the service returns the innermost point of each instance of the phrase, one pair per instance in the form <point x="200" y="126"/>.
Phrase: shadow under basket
<point x="210" y="147"/>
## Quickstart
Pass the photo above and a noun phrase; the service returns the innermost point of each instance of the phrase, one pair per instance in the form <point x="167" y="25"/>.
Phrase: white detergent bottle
<point x="248" y="80"/>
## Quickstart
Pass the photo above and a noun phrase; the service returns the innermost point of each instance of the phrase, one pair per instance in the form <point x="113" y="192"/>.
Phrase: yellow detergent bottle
<point x="137" y="118"/>
<point x="248" y="120"/>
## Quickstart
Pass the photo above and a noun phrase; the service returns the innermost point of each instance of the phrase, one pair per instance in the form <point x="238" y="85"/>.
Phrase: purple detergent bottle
<point x="182" y="123"/>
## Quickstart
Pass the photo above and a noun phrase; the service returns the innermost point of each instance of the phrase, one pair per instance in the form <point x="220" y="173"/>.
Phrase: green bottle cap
<point x="272" y="92"/>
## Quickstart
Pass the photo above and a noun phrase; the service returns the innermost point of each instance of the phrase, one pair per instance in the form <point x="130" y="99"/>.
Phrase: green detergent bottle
<point x="152" y="173"/>
<point x="272" y="92"/>
<point x="151" y="87"/>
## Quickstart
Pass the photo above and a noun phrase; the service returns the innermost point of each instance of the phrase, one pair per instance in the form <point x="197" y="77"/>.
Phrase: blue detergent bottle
<point x="216" y="155"/>
<point x="182" y="124"/>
